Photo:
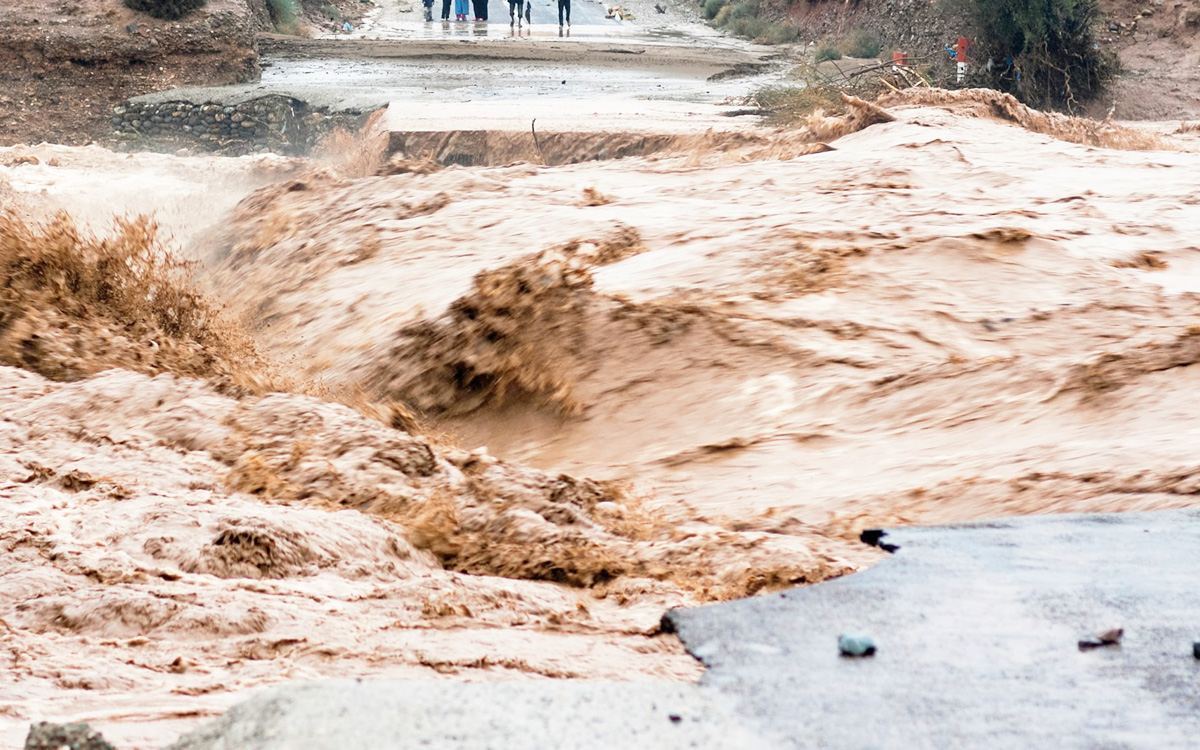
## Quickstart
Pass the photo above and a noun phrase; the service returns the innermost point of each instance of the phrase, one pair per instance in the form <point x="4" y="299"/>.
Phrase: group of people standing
<point x="519" y="11"/>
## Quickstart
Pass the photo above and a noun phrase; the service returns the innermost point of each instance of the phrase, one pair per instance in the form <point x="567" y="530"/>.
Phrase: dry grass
<point x="787" y="105"/>
<point x="73" y="304"/>
<point x="990" y="103"/>
<point x="816" y="111"/>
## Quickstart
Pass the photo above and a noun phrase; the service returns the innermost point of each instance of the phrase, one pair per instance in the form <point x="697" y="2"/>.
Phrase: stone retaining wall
<point x="272" y="123"/>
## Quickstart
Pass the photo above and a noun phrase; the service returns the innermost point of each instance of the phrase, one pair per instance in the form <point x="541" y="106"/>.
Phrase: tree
<point x="1043" y="51"/>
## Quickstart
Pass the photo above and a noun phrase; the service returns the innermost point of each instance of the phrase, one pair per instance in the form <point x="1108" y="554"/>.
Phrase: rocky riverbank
<point x="273" y="123"/>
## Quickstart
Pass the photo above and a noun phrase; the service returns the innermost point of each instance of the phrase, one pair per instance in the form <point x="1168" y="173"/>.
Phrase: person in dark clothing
<point x="481" y="9"/>
<point x="564" y="5"/>
<point x="446" y="9"/>
<point x="516" y="12"/>
<point x="428" y="9"/>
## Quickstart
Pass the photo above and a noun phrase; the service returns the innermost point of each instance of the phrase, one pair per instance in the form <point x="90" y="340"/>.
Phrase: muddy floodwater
<point x="398" y="418"/>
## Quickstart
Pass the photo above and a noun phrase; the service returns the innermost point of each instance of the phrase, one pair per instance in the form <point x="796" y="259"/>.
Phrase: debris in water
<point x="47" y="736"/>
<point x="856" y="644"/>
<point x="1111" y="637"/>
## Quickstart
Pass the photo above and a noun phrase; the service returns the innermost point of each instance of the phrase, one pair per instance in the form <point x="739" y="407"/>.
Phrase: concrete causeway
<point x="977" y="628"/>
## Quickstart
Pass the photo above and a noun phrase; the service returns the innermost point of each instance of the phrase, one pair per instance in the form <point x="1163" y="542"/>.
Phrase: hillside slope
<point x="1157" y="43"/>
<point x="64" y="65"/>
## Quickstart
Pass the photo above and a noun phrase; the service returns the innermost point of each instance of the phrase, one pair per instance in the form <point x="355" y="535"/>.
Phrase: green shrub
<point x="863" y="45"/>
<point x="744" y="19"/>
<point x="778" y="33"/>
<point x="827" y="52"/>
<point x="285" y="15"/>
<point x="170" y="10"/>
<point x="330" y="12"/>
<point x="744" y="11"/>
<point x="712" y="8"/>
<point x="1044" y="51"/>
<point x="748" y="28"/>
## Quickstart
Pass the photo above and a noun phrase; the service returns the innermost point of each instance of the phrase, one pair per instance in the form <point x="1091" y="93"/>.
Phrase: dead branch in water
<point x="533" y="129"/>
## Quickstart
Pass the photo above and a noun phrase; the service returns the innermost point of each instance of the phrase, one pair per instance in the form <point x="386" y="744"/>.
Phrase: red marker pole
<point x="960" y="55"/>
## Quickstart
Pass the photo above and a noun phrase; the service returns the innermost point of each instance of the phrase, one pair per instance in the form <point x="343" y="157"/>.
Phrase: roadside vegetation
<point x="787" y="105"/>
<point x="1044" y="52"/>
<point x="862" y="44"/>
<point x="811" y="93"/>
<point x="827" y="52"/>
<point x="828" y="83"/>
<point x="745" y="19"/>
<point x="169" y="10"/>
<point x="285" y="15"/>
<point x="304" y="17"/>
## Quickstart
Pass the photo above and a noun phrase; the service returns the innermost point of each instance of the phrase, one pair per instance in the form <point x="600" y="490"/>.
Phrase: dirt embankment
<point x="63" y="65"/>
<point x="1158" y="44"/>
<point x="919" y="28"/>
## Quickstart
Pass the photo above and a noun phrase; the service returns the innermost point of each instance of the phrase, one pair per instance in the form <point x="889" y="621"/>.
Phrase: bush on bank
<point x="745" y="19"/>
<point x="169" y="10"/>
<point x="285" y="15"/>
<point x="1045" y="52"/>
<point x="1042" y="51"/>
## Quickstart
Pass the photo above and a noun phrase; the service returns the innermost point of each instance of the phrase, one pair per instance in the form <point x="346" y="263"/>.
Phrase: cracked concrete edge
<point x="350" y="714"/>
<point x="977" y="626"/>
